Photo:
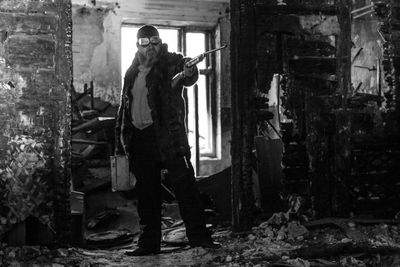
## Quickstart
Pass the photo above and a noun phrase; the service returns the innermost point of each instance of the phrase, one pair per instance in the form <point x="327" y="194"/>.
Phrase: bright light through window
<point x="196" y="44"/>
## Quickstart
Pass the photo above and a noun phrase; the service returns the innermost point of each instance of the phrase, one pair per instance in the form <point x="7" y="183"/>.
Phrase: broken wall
<point x="35" y="75"/>
<point x="97" y="51"/>
<point x="340" y="150"/>
<point x="340" y="146"/>
<point x="297" y="40"/>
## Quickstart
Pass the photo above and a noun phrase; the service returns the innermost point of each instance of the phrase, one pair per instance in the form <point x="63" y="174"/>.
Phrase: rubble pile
<point x="93" y="122"/>
<point x="39" y="256"/>
<point x="327" y="242"/>
<point x="279" y="241"/>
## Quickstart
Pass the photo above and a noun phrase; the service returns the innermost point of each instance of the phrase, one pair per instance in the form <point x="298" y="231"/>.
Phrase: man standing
<point x="151" y="129"/>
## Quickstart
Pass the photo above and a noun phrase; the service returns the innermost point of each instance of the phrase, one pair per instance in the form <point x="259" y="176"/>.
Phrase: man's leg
<point x="185" y="188"/>
<point x="148" y="187"/>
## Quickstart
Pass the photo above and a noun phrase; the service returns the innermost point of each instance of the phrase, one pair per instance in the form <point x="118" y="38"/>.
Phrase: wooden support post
<point x="394" y="40"/>
<point x="243" y="117"/>
<point x="342" y="142"/>
<point x="344" y="50"/>
<point x="61" y="181"/>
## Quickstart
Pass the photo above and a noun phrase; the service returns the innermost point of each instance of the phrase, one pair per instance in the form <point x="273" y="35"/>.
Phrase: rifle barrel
<point x="199" y="58"/>
<point x="215" y="49"/>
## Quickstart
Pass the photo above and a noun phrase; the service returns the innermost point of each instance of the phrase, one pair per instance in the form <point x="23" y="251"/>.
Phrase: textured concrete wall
<point x="35" y="74"/>
<point x="97" y="51"/>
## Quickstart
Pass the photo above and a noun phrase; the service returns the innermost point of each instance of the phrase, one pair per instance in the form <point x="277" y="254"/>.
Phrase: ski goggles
<point x="154" y="40"/>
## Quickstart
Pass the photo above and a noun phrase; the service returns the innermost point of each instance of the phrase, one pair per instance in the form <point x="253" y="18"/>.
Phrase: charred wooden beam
<point x="295" y="7"/>
<point x="307" y="65"/>
<point x="277" y="23"/>
<point x="310" y="48"/>
<point x="342" y="140"/>
<point x="344" y="49"/>
<point x="349" y="248"/>
<point x="243" y="124"/>
<point x="62" y="173"/>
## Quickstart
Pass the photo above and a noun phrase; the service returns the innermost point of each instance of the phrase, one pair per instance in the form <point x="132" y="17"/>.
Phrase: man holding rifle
<point x="150" y="129"/>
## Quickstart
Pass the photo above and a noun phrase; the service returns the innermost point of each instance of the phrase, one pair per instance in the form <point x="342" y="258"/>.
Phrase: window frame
<point x="210" y="77"/>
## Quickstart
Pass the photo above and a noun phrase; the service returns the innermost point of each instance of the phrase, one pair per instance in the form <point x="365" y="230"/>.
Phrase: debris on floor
<point x="109" y="239"/>
<point x="325" y="242"/>
<point x="103" y="217"/>
<point x="290" y="243"/>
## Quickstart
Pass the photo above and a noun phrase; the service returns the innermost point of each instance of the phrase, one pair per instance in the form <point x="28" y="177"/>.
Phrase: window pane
<point x="169" y="37"/>
<point x="191" y="124"/>
<point x="204" y="117"/>
<point x="128" y="47"/>
<point x="205" y="141"/>
<point x="195" y="45"/>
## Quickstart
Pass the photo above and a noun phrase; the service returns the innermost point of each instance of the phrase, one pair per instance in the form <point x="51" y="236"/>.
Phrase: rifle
<point x="200" y="57"/>
<point x="193" y="62"/>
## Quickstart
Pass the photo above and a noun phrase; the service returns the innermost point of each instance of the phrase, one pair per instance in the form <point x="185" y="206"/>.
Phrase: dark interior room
<point x="200" y="133"/>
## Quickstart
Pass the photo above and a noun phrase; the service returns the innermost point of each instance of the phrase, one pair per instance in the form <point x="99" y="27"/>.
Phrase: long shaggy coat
<point x="166" y="104"/>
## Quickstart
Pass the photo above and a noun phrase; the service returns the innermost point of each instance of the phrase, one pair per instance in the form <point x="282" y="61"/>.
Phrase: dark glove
<point x="189" y="71"/>
<point x="119" y="151"/>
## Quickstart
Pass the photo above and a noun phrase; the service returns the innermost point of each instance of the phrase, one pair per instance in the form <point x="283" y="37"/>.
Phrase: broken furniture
<point x="93" y="123"/>
<point x="92" y="143"/>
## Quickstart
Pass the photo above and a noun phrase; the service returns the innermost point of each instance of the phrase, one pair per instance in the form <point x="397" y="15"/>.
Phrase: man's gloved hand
<point x="189" y="71"/>
<point x="119" y="151"/>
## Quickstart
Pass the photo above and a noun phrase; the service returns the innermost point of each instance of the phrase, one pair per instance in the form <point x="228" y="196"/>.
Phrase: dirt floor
<point x="278" y="241"/>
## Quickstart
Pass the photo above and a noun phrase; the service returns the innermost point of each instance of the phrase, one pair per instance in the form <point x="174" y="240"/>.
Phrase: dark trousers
<point x="147" y="168"/>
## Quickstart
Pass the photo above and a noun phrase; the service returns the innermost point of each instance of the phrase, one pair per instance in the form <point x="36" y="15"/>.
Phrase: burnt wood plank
<point x="296" y="7"/>
<point x="243" y="64"/>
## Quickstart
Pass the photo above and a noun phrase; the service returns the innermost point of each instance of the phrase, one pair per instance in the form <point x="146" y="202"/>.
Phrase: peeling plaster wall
<point x="96" y="48"/>
<point x="35" y="74"/>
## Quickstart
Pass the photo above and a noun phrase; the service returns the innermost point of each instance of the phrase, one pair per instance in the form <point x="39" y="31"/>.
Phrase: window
<point x="197" y="43"/>
<point x="191" y="44"/>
